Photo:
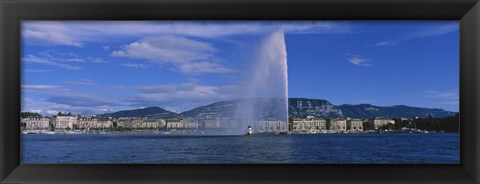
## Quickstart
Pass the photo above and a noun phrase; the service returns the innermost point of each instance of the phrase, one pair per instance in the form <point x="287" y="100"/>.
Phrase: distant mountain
<point x="302" y="107"/>
<point x="271" y="108"/>
<point x="370" y="111"/>
<point x="151" y="112"/>
<point x="224" y="108"/>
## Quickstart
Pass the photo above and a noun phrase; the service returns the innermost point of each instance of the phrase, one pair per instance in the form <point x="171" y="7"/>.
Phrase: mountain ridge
<point x="153" y="112"/>
<point x="297" y="107"/>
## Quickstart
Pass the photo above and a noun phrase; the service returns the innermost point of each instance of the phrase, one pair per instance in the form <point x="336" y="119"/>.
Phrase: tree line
<point x="447" y="124"/>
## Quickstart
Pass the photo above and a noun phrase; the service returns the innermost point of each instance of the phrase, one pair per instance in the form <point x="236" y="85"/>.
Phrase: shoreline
<point x="34" y="132"/>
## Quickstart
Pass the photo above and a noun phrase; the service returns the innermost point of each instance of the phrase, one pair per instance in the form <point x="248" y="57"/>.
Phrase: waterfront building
<point x="104" y="122"/>
<point x="86" y="122"/>
<point x="338" y="125"/>
<point x="215" y="121"/>
<point x="154" y="123"/>
<point x="228" y="122"/>
<point x="308" y="125"/>
<point x="177" y="123"/>
<point x="64" y="122"/>
<point x="125" y="122"/>
<point x="189" y="123"/>
<point x="139" y="123"/>
<point x="173" y="123"/>
<point x="274" y="126"/>
<point x="35" y="123"/>
<point x="209" y="120"/>
<point x="355" y="125"/>
<point x="381" y="121"/>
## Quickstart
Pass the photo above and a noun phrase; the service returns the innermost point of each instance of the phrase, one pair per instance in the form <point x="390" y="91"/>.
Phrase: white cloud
<point x="55" y="98"/>
<point x="52" y="108"/>
<point x="436" y="31"/>
<point x="134" y="65"/>
<point x="385" y="43"/>
<point x="80" y="100"/>
<point x="203" y="67"/>
<point x="447" y="98"/>
<point x="172" y="49"/>
<point x="106" y="48"/>
<point x="76" y="33"/>
<point x="97" y="60"/>
<point x="446" y="95"/>
<point x="83" y="82"/>
<point x="78" y="60"/>
<point x="37" y="71"/>
<point x="424" y="31"/>
<point x="49" y="33"/>
<point x="41" y="87"/>
<point x="358" y="60"/>
<point x="187" y="55"/>
<point x="183" y="96"/>
<point x="35" y="110"/>
<point x="35" y="59"/>
<point x="51" y="112"/>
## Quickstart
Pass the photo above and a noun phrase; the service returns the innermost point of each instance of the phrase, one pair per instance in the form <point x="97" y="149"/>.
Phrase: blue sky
<point x="98" y="67"/>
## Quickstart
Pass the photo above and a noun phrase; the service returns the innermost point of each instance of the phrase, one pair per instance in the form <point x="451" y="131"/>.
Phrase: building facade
<point x="338" y="125"/>
<point x="35" y="123"/>
<point x="86" y="122"/>
<point x="308" y="125"/>
<point x="65" y="122"/>
<point x="104" y="122"/>
<point x="381" y="121"/>
<point x="275" y="126"/>
<point x="355" y="125"/>
<point x="125" y="122"/>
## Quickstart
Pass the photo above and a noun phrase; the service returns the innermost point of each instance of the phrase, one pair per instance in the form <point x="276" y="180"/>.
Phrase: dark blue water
<point x="319" y="148"/>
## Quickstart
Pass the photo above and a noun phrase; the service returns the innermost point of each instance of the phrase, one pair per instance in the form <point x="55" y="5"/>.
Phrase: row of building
<point x="295" y="125"/>
<point x="312" y="125"/>
<point x="70" y="122"/>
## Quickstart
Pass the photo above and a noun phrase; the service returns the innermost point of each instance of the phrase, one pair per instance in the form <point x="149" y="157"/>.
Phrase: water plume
<point x="266" y="99"/>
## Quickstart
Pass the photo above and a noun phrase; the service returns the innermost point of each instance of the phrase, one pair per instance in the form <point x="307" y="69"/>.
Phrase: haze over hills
<point x="297" y="107"/>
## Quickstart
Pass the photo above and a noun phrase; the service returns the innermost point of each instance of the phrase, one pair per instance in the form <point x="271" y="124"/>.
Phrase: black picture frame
<point x="12" y="12"/>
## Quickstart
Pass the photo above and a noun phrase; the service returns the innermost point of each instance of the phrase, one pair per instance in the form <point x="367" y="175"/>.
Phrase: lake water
<point x="318" y="148"/>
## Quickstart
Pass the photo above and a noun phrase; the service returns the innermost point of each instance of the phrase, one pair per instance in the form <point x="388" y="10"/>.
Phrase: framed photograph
<point x="225" y="91"/>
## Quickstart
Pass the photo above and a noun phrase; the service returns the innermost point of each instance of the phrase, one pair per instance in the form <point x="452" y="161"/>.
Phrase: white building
<point x="35" y="123"/>
<point x="104" y="122"/>
<point x="355" y="125"/>
<point x="381" y="121"/>
<point x="189" y="123"/>
<point x="125" y="122"/>
<point x="176" y="123"/>
<point x="339" y="125"/>
<point x="65" y="122"/>
<point x="210" y="121"/>
<point x="270" y="126"/>
<point x="148" y="123"/>
<point x="308" y="125"/>
<point x="86" y="122"/>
